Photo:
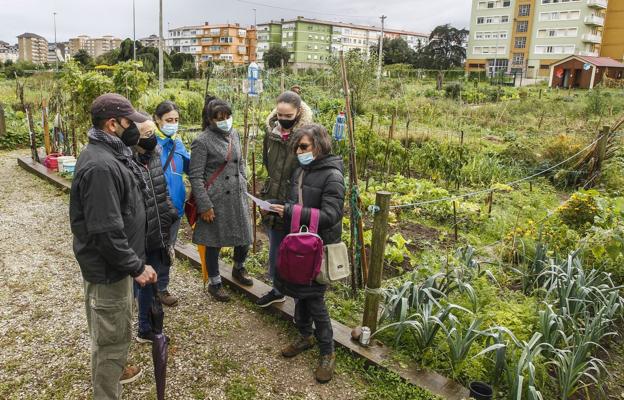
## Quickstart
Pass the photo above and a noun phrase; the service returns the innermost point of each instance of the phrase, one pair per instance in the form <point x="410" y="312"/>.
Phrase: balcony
<point x="600" y="4"/>
<point x="594" y="20"/>
<point x="592" y="38"/>
<point x="589" y="53"/>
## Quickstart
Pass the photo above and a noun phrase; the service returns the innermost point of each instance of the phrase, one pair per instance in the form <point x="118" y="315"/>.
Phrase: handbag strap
<point x="171" y="153"/>
<point x="295" y="222"/>
<point x="221" y="168"/>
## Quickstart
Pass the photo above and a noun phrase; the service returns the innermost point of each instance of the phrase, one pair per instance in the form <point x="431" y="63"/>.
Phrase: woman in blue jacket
<point x="175" y="159"/>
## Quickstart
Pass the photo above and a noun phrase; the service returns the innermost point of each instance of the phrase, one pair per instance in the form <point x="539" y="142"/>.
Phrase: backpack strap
<point x="295" y="221"/>
<point x="315" y="215"/>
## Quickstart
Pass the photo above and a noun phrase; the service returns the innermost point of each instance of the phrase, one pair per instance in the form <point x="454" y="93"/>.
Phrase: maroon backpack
<point x="301" y="252"/>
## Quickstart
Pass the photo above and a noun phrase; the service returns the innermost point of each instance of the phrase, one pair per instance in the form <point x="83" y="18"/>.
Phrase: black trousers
<point x="313" y="309"/>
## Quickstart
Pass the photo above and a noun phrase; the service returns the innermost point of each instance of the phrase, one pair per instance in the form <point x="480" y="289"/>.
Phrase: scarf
<point x="123" y="153"/>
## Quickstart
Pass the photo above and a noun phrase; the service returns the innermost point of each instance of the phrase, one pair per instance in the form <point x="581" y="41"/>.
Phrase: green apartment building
<point x="311" y="42"/>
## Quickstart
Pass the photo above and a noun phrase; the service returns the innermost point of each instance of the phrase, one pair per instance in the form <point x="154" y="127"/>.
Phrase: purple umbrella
<point x="159" y="345"/>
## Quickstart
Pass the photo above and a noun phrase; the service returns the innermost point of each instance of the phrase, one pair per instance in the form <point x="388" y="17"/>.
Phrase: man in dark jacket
<point x="107" y="216"/>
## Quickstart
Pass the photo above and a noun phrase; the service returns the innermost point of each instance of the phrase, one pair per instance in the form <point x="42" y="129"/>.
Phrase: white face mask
<point x="226" y="125"/>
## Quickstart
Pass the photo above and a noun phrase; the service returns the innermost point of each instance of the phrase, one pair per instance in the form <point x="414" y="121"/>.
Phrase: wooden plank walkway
<point x="377" y="355"/>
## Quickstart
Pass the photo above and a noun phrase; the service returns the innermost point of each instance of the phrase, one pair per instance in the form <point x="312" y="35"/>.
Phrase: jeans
<point x="275" y="239"/>
<point x="163" y="273"/>
<point x="313" y="309"/>
<point x="109" y="319"/>
<point x="212" y="258"/>
<point x="145" y="295"/>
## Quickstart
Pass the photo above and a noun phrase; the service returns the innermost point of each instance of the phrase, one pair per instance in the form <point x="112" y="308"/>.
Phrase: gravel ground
<point x="217" y="351"/>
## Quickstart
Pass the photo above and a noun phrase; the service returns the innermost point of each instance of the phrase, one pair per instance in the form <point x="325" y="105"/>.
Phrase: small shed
<point x="584" y="72"/>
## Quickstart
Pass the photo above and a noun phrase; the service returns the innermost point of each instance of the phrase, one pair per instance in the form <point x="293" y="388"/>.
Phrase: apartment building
<point x="223" y="42"/>
<point x="311" y="42"/>
<point x="150" y="41"/>
<point x="8" y="52"/>
<point x="33" y="48"/>
<point x="527" y="36"/>
<point x="58" y="52"/>
<point x="613" y="36"/>
<point x="95" y="47"/>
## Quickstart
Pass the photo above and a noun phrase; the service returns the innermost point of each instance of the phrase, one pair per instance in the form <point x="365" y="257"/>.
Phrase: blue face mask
<point x="305" y="158"/>
<point x="169" y="129"/>
<point x="226" y="125"/>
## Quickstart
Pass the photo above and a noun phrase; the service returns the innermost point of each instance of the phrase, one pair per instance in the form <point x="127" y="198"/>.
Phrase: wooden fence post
<point x="2" y="122"/>
<point x="46" y="127"/>
<point x="375" y="274"/>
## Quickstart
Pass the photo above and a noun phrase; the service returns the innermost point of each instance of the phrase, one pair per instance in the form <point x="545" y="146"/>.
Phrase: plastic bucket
<point x="480" y="390"/>
<point x="64" y="160"/>
<point x="51" y="161"/>
<point x="69" y="166"/>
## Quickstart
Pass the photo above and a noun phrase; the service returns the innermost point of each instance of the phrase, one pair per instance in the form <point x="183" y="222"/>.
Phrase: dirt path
<point x="217" y="351"/>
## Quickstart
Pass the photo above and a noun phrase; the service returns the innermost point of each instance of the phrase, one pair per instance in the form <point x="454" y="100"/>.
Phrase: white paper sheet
<point x="264" y="205"/>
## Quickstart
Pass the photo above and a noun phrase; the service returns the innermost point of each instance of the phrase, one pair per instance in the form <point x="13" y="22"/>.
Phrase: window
<point x="518" y="58"/>
<point x="226" y="40"/>
<point x="520" y="42"/>
<point x="480" y="20"/>
<point x="524" y="10"/>
<point x="523" y="26"/>
<point x="557" y="49"/>
<point x="558" y="1"/>
<point x="560" y="15"/>
<point x="504" y="19"/>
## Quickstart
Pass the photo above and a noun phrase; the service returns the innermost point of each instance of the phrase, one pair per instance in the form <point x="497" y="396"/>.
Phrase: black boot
<point x="240" y="274"/>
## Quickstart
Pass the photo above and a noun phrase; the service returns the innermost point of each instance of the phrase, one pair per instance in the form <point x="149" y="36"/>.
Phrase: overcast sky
<point x="114" y="17"/>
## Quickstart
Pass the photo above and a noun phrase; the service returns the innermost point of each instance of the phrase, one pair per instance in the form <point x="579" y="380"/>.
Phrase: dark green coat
<point x="280" y="162"/>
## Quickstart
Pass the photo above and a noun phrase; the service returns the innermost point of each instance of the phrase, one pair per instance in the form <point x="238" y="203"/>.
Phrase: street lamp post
<point x="161" y="70"/>
<point x="381" y="38"/>
<point x="55" y="43"/>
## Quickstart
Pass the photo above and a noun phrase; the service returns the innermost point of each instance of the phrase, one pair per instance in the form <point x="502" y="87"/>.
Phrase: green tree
<point x="273" y="57"/>
<point x="83" y="58"/>
<point x="395" y="51"/>
<point x="361" y="74"/>
<point x="179" y="60"/>
<point x="130" y="80"/>
<point x="445" y="49"/>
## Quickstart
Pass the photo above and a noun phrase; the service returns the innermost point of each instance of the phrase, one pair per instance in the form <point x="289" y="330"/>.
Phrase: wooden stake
<point x="46" y="127"/>
<point x="32" y="135"/>
<point x="253" y="190"/>
<point x="2" y="122"/>
<point x="455" y="219"/>
<point x="282" y="83"/>
<point x="378" y="248"/>
<point x="490" y="201"/>
<point x="353" y="182"/>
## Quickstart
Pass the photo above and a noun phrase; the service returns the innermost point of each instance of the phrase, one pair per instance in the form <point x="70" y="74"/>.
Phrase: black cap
<point x="113" y="105"/>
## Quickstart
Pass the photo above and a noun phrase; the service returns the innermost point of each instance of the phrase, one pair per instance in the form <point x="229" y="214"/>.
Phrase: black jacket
<point x="159" y="209"/>
<point x="107" y="216"/>
<point x="323" y="188"/>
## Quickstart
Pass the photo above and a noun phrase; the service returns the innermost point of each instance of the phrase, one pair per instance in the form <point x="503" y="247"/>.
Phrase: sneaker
<point x="167" y="299"/>
<point x="218" y="293"/>
<point x="240" y="274"/>
<point x="145" y="337"/>
<point x="298" y="346"/>
<point x="325" y="370"/>
<point x="270" y="298"/>
<point x="130" y="374"/>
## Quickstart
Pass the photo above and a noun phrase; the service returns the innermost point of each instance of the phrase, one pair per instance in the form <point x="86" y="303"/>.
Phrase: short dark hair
<point x="317" y="134"/>
<point x="212" y="109"/>
<point x="98" y="122"/>
<point x="165" y="107"/>
<point x="290" y="97"/>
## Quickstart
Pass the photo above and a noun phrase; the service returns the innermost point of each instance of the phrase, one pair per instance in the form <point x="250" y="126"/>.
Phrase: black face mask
<point x="287" y="123"/>
<point x="130" y="136"/>
<point x="148" y="143"/>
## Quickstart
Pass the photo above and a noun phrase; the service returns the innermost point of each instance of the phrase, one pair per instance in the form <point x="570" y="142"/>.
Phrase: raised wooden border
<point x="379" y="356"/>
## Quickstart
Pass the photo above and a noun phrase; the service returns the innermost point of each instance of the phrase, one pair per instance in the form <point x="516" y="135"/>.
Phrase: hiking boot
<point x="240" y="274"/>
<point x="270" y="298"/>
<point x="130" y="374"/>
<point x="218" y="293"/>
<point x="325" y="370"/>
<point x="167" y="299"/>
<point x="298" y="346"/>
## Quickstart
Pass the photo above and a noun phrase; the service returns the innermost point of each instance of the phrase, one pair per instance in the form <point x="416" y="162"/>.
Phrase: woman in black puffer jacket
<point x="160" y="215"/>
<point x="323" y="188"/>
